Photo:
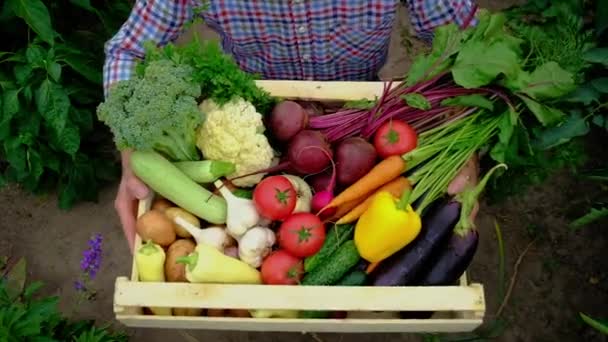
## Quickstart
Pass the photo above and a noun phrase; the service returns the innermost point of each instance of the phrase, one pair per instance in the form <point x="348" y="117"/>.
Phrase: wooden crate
<point x="371" y="309"/>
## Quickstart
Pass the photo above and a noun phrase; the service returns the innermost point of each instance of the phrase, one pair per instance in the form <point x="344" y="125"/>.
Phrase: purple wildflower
<point x="91" y="258"/>
<point x="79" y="286"/>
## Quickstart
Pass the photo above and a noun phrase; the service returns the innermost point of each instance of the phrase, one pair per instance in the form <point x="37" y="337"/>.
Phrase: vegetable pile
<point x="257" y="190"/>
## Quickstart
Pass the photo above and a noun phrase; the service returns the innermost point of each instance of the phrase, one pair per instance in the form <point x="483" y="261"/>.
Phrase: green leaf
<point x="601" y="17"/>
<point x="36" y="15"/>
<point x="54" y="70"/>
<point x="22" y="73"/>
<point x="15" y="154"/>
<point x="28" y="93"/>
<point x="549" y="80"/>
<point x="15" y="279"/>
<point x="10" y="103"/>
<point x="53" y="105"/>
<point x="10" y="107"/>
<point x="360" y="104"/>
<point x="83" y="118"/>
<point x="49" y="158"/>
<point x="35" y="55"/>
<point x="585" y="94"/>
<point x="447" y="42"/>
<point x="35" y="168"/>
<point x="600" y="84"/>
<point x="599" y="120"/>
<point x="473" y="100"/>
<point x="546" y="115"/>
<point x="68" y="140"/>
<point x="596" y="55"/>
<point x="574" y="126"/>
<point x="417" y="100"/>
<point x="478" y="64"/>
<point x="84" y="67"/>
<point x="592" y="216"/>
<point x="6" y="82"/>
<point x="84" y="4"/>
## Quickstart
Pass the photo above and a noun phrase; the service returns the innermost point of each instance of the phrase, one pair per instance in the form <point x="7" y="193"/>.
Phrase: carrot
<point x="395" y="187"/>
<point x="347" y="207"/>
<point x="371" y="267"/>
<point x="385" y="171"/>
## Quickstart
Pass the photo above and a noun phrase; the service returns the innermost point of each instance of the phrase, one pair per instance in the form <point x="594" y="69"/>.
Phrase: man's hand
<point x="467" y="177"/>
<point x="130" y="190"/>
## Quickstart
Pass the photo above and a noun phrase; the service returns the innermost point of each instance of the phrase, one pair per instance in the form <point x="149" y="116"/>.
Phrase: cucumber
<point x="166" y="179"/>
<point x="336" y="267"/>
<point x="205" y="171"/>
<point x="336" y="236"/>
<point x="353" y="278"/>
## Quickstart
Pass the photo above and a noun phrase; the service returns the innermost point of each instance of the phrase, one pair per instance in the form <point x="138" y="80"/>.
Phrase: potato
<point x="187" y="312"/>
<point x="175" y="272"/>
<point x="174" y="212"/>
<point x="161" y="204"/>
<point x="155" y="226"/>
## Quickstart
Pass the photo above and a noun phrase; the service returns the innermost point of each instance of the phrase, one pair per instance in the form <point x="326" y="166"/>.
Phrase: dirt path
<point x="563" y="273"/>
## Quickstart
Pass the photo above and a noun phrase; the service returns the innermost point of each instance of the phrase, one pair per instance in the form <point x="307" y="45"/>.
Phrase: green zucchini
<point x="205" y="171"/>
<point x="166" y="179"/>
<point x="336" y="236"/>
<point x="336" y="267"/>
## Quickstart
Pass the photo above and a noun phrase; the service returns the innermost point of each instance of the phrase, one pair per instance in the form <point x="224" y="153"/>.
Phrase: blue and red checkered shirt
<point x="285" y="39"/>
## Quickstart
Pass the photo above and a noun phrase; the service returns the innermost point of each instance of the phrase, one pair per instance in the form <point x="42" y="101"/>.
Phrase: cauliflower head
<point x="234" y="132"/>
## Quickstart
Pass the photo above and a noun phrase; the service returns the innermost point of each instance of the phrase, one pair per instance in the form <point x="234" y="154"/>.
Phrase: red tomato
<point x="302" y="234"/>
<point x="395" y="138"/>
<point x="274" y="197"/>
<point x="282" y="268"/>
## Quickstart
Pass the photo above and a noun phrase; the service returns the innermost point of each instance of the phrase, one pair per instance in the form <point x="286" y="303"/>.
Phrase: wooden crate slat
<point x="369" y="298"/>
<point x="304" y="325"/>
<point x="320" y="90"/>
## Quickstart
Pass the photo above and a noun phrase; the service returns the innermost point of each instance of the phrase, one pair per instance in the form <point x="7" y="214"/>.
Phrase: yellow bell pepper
<point x="388" y="225"/>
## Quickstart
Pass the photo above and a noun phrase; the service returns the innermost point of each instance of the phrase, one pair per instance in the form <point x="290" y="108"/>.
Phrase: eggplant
<point x="451" y="263"/>
<point x="403" y="267"/>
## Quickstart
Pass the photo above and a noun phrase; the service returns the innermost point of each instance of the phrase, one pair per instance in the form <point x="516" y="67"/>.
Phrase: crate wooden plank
<point x="303" y="325"/>
<point x="321" y="90"/>
<point x="366" y="298"/>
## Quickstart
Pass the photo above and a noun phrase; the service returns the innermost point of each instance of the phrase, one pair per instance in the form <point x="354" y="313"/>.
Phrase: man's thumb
<point x="137" y="188"/>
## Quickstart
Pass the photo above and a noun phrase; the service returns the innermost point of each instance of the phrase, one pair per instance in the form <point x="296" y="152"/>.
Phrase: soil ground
<point x="564" y="273"/>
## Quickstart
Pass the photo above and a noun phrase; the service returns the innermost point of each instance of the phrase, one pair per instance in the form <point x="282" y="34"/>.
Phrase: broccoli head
<point x="155" y="111"/>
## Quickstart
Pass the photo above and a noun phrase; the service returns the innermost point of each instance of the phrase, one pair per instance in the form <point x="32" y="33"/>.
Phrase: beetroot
<point x="320" y="181"/>
<point x="355" y="157"/>
<point x="309" y="152"/>
<point x="287" y="119"/>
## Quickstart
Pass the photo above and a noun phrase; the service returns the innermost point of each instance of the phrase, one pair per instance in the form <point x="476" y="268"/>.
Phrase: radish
<point x="287" y="119"/>
<point x="308" y="153"/>
<point x="322" y="198"/>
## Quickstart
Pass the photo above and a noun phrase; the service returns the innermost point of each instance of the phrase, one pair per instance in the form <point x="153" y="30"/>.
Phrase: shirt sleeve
<point x="425" y="15"/>
<point x="160" y="21"/>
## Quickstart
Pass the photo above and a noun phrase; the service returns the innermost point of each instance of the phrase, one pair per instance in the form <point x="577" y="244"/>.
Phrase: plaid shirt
<point x="285" y="39"/>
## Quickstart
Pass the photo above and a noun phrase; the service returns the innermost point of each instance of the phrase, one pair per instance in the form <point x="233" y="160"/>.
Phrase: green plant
<point x="558" y="31"/>
<point x="26" y="317"/>
<point x="50" y="76"/>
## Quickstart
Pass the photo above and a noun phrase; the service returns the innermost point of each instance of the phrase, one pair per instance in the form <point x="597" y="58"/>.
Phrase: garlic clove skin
<point x="241" y="212"/>
<point x="255" y="245"/>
